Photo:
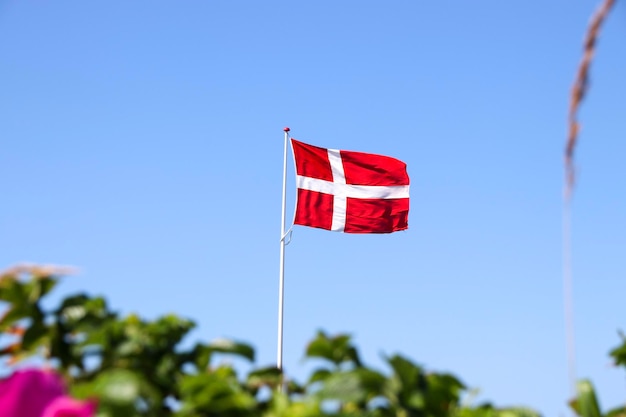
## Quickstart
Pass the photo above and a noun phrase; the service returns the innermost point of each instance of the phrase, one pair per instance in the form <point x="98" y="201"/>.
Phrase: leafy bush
<point x="133" y="367"/>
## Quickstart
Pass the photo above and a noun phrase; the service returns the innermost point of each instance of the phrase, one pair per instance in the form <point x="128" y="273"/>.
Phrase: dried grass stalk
<point x="36" y="271"/>
<point x="580" y="88"/>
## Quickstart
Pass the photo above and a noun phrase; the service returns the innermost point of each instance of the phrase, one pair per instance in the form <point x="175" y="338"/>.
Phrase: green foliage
<point x="138" y="368"/>
<point x="132" y="366"/>
<point x="337" y="350"/>
<point x="586" y="403"/>
<point x="619" y="353"/>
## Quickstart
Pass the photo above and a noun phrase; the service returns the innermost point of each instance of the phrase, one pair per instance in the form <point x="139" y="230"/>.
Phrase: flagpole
<point x="279" y="354"/>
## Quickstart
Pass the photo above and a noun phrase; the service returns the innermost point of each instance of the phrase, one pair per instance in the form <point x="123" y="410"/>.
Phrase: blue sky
<point x="142" y="142"/>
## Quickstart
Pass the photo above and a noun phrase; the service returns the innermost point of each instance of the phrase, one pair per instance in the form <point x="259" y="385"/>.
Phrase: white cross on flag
<point x="351" y="192"/>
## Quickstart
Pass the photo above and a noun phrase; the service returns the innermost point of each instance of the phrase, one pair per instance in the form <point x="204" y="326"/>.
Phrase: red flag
<point x="351" y="192"/>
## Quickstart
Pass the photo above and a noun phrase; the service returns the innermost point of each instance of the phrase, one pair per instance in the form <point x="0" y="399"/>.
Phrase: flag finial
<point x="286" y="129"/>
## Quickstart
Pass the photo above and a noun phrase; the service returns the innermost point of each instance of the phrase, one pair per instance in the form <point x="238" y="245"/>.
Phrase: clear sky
<point x="141" y="141"/>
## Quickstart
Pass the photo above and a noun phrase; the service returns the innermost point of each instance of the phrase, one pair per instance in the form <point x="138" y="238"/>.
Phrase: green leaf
<point x="293" y="387"/>
<point x="617" y="412"/>
<point x="319" y="375"/>
<point x="586" y="403"/>
<point x="270" y="377"/>
<point x="406" y="388"/>
<point x="337" y="349"/>
<point x="202" y="356"/>
<point x="281" y="406"/>
<point x="409" y="374"/>
<point x="373" y="382"/>
<point x="117" y="386"/>
<point x="345" y="387"/>
<point x="81" y="308"/>
<point x="619" y="353"/>
<point x="235" y="348"/>
<point x="355" y="386"/>
<point x="443" y="392"/>
<point x="34" y="334"/>
<point x="39" y="287"/>
<point x="119" y="392"/>
<point x="216" y="393"/>
<point x="14" y="314"/>
<point x="12" y="290"/>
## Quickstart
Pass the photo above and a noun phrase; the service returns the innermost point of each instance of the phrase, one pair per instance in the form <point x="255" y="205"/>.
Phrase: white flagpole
<point x="279" y="355"/>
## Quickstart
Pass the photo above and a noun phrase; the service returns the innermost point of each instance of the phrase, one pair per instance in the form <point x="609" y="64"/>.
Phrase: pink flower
<point x="36" y="393"/>
<point x="69" y="407"/>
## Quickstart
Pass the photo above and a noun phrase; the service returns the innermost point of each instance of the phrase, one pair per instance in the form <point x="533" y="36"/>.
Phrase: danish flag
<point x="351" y="192"/>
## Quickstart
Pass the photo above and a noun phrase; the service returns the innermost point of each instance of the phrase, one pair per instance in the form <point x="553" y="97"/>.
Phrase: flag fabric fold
<point x="350" y="192"/>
